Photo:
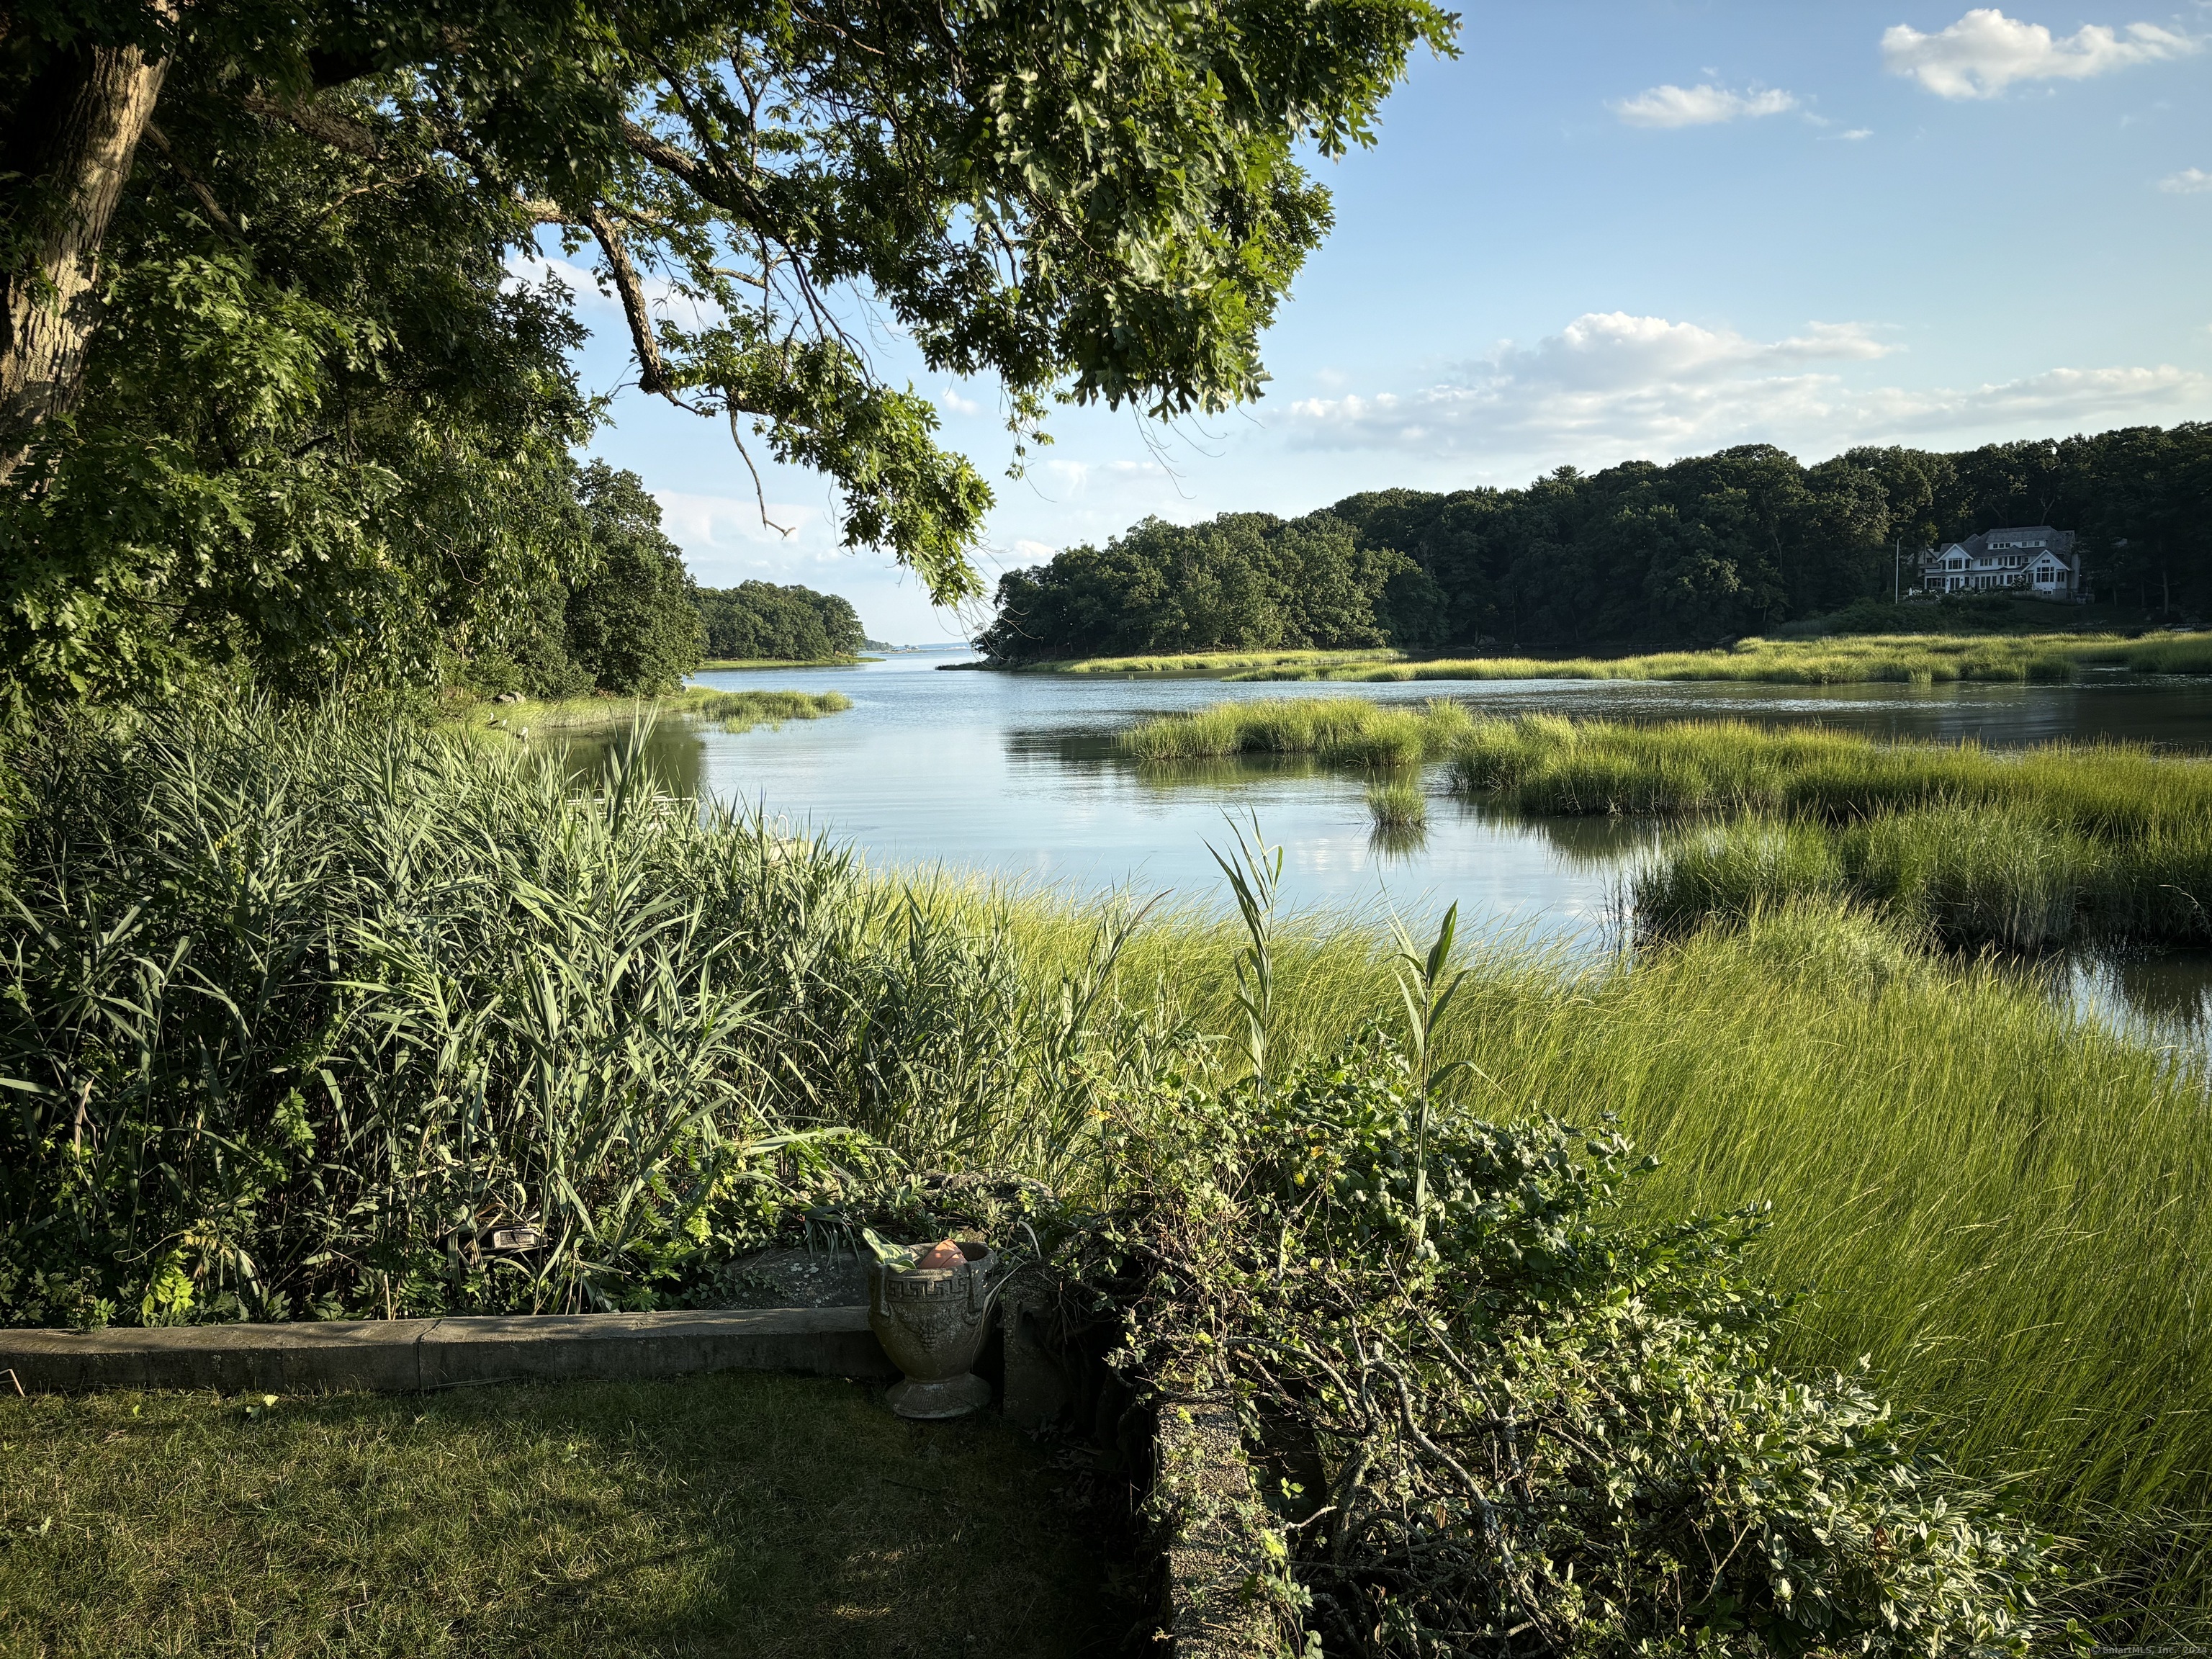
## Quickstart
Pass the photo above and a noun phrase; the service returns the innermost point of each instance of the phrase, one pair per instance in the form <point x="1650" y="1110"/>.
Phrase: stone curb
<point x="414" y="1355"/>
<point x="1209" y="1559"/>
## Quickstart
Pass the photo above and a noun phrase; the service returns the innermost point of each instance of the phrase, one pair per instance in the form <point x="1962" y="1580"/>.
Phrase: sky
<point x="1614" y="229"/>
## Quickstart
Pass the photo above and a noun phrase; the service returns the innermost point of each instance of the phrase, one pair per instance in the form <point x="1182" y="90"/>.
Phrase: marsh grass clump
<point x="1875" y="658"/>
<point x="1336" y="731"/>
<point x="741" y="711"/>
<point x="1936" y="658"/>
<point x="2173" y="654"/>
<point x="1965" y="877"/>
<point x="1398" y="804"/>
<point x="735" y="711"/>
<point x="2025" y="850"/>
<point x="1296" y="662"/>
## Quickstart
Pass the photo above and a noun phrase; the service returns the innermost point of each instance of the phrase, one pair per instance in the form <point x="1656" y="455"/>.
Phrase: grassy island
<point x="2025" y="850"/>
<point x="1860" y="659"/>
<point x="734" y="711"/>
<point x="717" y="665"/>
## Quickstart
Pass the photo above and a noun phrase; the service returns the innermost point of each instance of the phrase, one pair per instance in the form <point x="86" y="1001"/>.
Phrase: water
<point x="1015" y="776"/>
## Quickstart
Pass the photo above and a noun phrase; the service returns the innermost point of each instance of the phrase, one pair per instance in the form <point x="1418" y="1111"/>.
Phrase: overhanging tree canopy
<point x="1089" y="199"/>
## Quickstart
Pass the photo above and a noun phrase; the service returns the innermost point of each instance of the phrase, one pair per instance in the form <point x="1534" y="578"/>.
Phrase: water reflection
<point x="1395" y="841"/>
<point x="1608" y="844"/>
<point x="2166" y="997"/>
<point x="672" y="750"/>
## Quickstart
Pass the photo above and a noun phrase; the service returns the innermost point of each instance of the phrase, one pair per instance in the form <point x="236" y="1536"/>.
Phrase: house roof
<point x="2059" y="543"/>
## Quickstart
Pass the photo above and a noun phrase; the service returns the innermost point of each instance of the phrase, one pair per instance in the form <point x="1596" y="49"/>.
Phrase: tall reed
<point x="301" y="1010"/>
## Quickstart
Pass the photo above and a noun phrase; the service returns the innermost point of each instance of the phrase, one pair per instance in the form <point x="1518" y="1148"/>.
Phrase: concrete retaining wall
<point x="412" y="1354"/>
<point x="1211" y="1559"/>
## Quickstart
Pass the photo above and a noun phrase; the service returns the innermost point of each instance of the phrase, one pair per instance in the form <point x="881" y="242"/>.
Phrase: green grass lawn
<point x="737" y="1514"/>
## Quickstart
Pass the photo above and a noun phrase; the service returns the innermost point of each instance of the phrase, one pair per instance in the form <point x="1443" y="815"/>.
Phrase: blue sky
<point x="1614" y="228"/>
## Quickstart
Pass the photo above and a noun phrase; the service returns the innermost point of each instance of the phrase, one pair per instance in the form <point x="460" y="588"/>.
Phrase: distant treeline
<point x="1690" y="553"/>
<point x="784" y="624"/>
<point x="634" y="623"/>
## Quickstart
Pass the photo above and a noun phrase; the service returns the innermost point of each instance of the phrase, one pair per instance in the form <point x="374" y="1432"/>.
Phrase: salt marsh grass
<point x="2023" y="850"/>
<point x="735" y="711"/>
<point x="1544" y="764"/>
<point x="741" y="711"/>
<point x="1845" y="659"/>
<point x="1217" y="662"/>
<point x="1398" y="804"/>
<point x="1337" y="731"/>
<point x="1903" y="659"/>
<point x="2187" y="654"/>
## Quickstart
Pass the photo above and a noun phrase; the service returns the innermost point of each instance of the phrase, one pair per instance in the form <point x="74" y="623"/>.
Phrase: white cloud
<point x="1614" y="384"/>
<point x="1855" y="134"/>
<point x="729" y="529"/>
<point x="1612" y="349"/>
<point x="955" y="403"/>
<point x="1985" y="52"/>
<point x="1701" y="106"/>
<point x="2190" y="181"/>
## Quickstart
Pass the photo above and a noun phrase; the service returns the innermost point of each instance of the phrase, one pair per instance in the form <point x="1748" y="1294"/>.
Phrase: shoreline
<point x="730" y="664"/>
<point x="1842" y="659"/>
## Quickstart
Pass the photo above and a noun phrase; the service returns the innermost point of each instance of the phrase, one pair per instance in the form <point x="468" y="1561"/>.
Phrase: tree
<point x="331" y="442"/>
<point x="633" y="626"/>
<point x="1092" y="202"/>
<point x="787" y="623"/>
<point x="1689" y="553"/>
<point x="1241" y="581"/>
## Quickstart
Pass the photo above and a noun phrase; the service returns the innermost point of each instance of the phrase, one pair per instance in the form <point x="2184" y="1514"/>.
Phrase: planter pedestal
<point x="955" y="1396"/>
<point x="931" y="1322"/>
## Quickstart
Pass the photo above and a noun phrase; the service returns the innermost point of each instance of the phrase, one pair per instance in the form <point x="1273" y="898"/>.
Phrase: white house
<point x="2039" y="560"/>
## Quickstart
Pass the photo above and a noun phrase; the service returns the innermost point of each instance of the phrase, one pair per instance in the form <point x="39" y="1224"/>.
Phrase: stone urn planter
<point x="932" y="1321"/>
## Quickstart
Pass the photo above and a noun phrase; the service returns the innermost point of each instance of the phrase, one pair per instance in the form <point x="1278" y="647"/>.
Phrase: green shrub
<point x="1512" y="1415"/>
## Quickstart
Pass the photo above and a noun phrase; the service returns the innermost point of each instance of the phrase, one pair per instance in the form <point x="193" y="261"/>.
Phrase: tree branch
<point x="335" y="130"/>
<point x="724" y="192"/>
<point x="222" y="220"/>
<point x="652" y="377"/>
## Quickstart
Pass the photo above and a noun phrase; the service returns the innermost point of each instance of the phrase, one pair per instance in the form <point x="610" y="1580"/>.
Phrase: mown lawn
<point x="740" y="1514"/>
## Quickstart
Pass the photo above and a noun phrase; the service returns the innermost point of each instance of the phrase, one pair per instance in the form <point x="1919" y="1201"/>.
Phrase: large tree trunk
<point x="74" y="136"/>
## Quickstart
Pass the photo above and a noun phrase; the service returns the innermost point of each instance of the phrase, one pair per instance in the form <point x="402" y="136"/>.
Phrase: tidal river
<point x="1017" y="775"/>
